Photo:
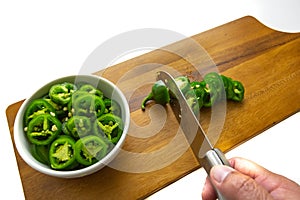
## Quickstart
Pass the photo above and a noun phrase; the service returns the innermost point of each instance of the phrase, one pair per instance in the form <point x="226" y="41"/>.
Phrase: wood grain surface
<point x="155" y="153"/>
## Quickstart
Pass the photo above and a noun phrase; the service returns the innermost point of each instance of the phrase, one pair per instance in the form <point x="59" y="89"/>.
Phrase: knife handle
<point x="214" y="157"/>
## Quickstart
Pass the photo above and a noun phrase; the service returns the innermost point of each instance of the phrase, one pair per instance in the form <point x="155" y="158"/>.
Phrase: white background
<point x="43" y="40"/>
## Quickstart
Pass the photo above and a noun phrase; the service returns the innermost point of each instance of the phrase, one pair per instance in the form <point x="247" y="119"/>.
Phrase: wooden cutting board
<point x="266" y="61"/>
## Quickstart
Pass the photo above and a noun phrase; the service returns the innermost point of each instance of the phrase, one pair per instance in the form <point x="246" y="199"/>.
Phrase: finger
<point x="248" y="167"/>
<point x="262" y="176"/>
<point x="208" y="192"/>
<point x="245" y="166"/>
<point x="234" y="185"/>
<point x="278" y="186"/>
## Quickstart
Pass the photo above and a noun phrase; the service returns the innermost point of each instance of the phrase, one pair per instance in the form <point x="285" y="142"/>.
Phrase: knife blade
<point x="206" y="154"/>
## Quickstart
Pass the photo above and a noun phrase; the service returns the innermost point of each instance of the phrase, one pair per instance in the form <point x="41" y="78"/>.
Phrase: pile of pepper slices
<point x="72" y="126"/>
<point x="212" y="89"/>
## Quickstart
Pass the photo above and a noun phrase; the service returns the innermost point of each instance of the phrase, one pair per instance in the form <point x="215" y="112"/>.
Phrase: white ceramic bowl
<point x="23" y="146"/>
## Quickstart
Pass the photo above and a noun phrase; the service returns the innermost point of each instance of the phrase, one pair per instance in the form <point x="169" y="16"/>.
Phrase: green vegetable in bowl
<point x="62" y="93"/>
<point x="43" y="129"/>
<point x="111" y="126"/>
<point x="90" y="149"/>
<point x="72" y="126"/>
<point x="77" y="126"/>
<point x="62" y="153"/>
<point x="37" y="107"/>
<point x="88" y="105"/>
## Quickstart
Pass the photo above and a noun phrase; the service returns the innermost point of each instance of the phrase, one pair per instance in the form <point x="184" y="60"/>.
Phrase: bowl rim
<point x="31" y="161"/>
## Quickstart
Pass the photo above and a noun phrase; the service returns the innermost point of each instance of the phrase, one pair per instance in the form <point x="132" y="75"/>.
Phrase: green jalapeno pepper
<point x="238" y="91"/>
<point x="37" y="107"/>
<point x="90" y="149"/>
<point x="88" y="105"/>
<point x="183" y="83"/>
<point x="159" y="93"/>
<point x="61" y="93"/>
<point x="192" y="101"/>
<point x="41" y="153"/>
<point x="227" y="86"/>
<point x="60" y="110"/>
<point x="112" y="126"/>
<point x="91" y="89"/>
<point x="214" y="88"/>
<point x="53" y="126"/>
<point x="234" y="89"/>
<point x="214" y="80"/>
<point x="77" y="126"/>
<point x="43" y="129"/>
<point x="62" y="153"/>
<point x="198" y="88"/>
<point x="70" y="106"/>
<point x="112" y="106"/>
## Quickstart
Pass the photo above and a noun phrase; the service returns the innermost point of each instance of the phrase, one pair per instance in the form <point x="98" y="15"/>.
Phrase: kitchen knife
<point x="190" y="125"/>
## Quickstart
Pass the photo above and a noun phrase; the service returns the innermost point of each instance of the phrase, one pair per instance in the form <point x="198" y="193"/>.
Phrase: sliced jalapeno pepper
<point x="61" y="93"/>
<point x="214" y="80"/>
<point x="227" y="86"/>
<point x="159" y="93"/>
<point x="62" y="153"/>
<point x="238" y="91"/>
<point x="60" y="110"/>
<point x="198" y="88"/>
<point x="37" y="107"/>
<point x="112" y="126"/>
<point x="77" y="126"/>
<point x="183" y="83"/>
<point x="112" y="106"/>
<point x="90" y="149"/>
<point x="192" y="101"/>
<point x="70" y="106"/>
<point x="214" y="88"/>
<point x="41" y="153"/>
<point x="43" y="129"/>
<point x="88" y="105"/>
<point x="91" y="90"/>
<point x="234" y="89"/>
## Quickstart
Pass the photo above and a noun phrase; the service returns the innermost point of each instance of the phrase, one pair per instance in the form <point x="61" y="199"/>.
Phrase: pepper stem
<point x="146" y="99"/>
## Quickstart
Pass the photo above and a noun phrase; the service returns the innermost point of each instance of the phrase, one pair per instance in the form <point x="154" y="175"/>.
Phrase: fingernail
<point x="220" y="172"/>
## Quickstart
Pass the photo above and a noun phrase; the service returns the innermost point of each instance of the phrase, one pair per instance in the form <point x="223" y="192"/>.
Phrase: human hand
<point x="247" y="180"/>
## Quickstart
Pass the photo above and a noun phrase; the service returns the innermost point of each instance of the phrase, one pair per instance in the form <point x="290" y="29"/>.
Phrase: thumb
<point x="234" y="185"/>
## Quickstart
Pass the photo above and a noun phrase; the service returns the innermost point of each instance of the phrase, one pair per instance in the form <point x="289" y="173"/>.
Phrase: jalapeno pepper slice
<point x="214" y="88"/>
<point x="77" y="126"/>
<point x="238" y="91"/>
<point x="112" y="126"/>
<point x="37" y="107"/>
<point x="88" y="105"/>
<point x="60" y="110"/>
<point x="112" y="106"/>
<point x="41" y="153"/>
<point x="43" y="129"/>
<point x="70" y="106"/>
<point x="183" y="83"/>
<point x="192" y="101"/>
<point x="228" y="86"/>
<point x="91" y="90"/>
<point x="61" y="93"/>
<point x="159" y="93"/>
<point x="90" y="149"/>
<point x="62" y="153"/>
